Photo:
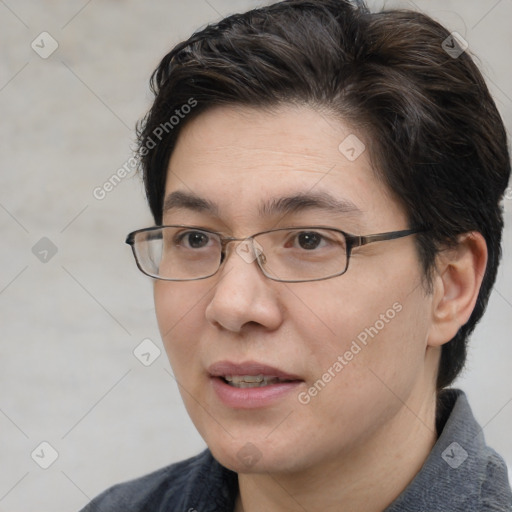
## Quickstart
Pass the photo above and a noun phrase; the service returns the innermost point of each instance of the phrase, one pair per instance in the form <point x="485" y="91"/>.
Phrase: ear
<point x="457" y="280"/>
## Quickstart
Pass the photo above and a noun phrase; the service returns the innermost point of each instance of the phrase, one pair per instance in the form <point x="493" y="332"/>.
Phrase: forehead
<point x="240" y="160"/>
<point x="287" y="137"/>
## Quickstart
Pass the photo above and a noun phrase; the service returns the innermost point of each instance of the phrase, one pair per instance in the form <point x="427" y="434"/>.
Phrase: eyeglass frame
<point x="352" y="241"/>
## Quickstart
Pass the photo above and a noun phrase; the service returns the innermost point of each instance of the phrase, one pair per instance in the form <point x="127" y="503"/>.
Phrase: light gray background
<point x="69" y="326"/>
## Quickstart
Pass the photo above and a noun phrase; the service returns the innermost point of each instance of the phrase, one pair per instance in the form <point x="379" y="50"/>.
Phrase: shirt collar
<point x="461" y="472"/>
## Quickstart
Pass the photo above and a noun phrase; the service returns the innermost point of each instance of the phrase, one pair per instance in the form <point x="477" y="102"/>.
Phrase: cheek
<point x="365" y="352"/>
<point x="178" y="307"/>
<point x="364" y="328"/>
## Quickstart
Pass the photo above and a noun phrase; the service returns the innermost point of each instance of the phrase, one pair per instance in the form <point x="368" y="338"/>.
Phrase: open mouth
<point x="252" y="381"/>
<point x="251" y="384"/>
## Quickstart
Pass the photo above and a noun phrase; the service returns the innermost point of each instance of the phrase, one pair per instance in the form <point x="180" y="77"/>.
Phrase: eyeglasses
<point x="291" y="255"/>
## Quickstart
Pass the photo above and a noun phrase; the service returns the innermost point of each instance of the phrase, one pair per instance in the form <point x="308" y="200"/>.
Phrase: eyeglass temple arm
<point x="390" y="235"/>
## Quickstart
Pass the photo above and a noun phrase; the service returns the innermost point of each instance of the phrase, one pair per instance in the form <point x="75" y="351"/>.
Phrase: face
<point x="348" y="351"/>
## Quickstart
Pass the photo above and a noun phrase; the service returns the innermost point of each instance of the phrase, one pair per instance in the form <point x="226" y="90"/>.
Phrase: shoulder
<point x="182" y="486"/>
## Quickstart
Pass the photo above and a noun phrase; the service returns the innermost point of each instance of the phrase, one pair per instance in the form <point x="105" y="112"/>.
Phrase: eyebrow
<point x="308" y="201"/>
<point x="275" y="206"/>
<point x="183" y="200"/>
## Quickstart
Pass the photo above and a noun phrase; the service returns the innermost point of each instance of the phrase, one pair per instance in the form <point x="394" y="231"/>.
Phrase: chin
<point x="246" y="456"/>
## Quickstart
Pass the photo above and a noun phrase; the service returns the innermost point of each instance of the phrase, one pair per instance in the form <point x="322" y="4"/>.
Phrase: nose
<point x="243" y="296"/>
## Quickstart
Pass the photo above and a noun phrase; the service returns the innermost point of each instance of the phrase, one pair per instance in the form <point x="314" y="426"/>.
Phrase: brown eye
<point x="194" y="239"/>
<point x="309" y="240"/>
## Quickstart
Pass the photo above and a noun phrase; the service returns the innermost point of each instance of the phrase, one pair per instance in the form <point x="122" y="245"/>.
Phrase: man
<point x="326" y="187"/>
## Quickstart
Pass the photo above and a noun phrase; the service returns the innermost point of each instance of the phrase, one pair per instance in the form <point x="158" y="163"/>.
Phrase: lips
<point x="251" y="385"/>
<point x="249" y="372"/>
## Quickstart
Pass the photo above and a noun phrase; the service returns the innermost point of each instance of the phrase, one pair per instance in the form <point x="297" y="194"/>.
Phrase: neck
<point x="367" y="477"/>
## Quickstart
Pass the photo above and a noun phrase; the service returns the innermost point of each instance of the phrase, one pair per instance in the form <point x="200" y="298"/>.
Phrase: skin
<point x="359" y="442"/>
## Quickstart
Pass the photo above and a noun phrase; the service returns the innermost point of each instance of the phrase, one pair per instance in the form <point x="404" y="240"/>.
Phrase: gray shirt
<point x="460" y="474"/>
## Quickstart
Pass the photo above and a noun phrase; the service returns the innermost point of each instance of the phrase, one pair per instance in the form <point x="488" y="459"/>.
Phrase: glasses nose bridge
<point x="249" y="255"/>
<point x="225" y="240"/>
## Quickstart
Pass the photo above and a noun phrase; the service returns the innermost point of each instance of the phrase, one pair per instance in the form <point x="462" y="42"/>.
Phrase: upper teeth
<point x="247" y="378"/>
<point x="240" y="380"/>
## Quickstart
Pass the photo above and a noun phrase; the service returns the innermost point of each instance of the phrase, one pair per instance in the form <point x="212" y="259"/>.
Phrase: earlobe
<point x="458" y="277"/>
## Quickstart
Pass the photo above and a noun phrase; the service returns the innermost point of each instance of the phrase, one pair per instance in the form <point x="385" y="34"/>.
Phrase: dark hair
<point x="434" y="133"/>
